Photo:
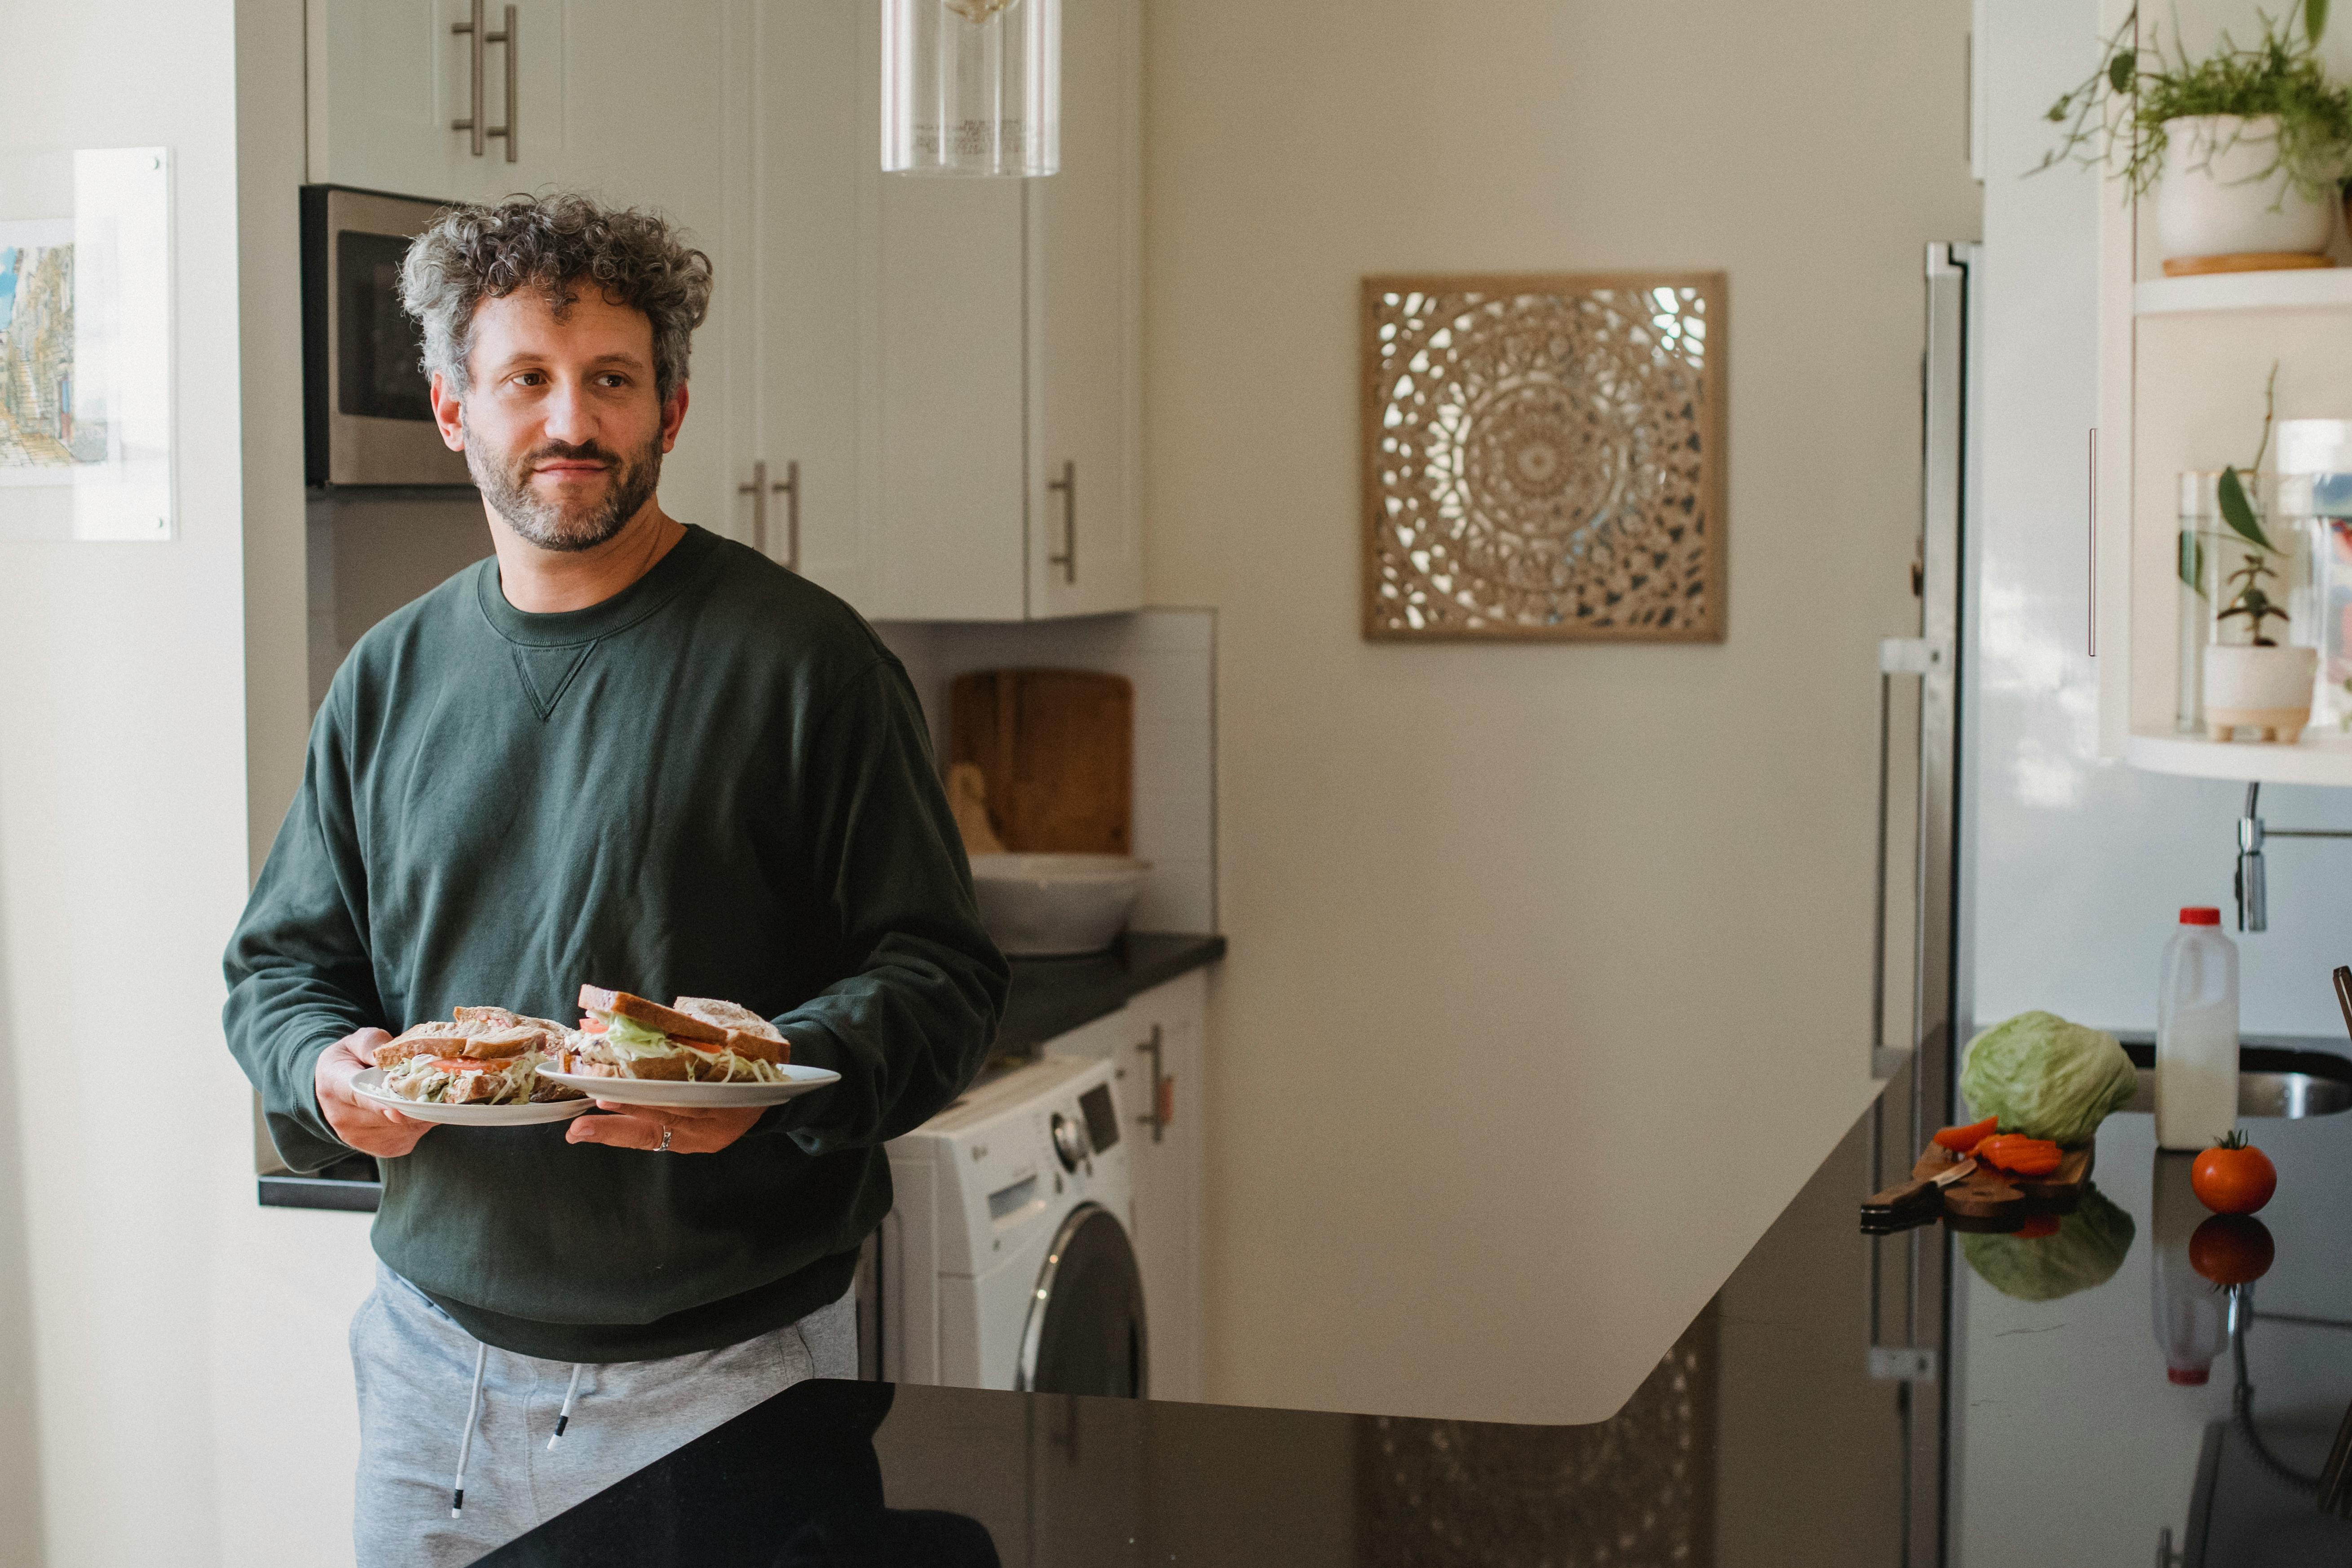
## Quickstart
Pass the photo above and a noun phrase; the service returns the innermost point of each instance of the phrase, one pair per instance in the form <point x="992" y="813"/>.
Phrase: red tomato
<point x="2232" y="1249"/>
<point x="2233" y="1176"/>
<point x="2036" y="1226"/>
<point x="460" y="1063"/>
<point x="592" y="1025"/>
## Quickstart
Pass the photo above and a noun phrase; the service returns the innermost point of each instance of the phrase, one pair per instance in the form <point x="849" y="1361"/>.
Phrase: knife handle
<point x="1901" y="1195"/>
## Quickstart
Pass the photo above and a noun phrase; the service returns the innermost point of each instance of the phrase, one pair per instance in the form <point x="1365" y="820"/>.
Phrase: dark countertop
<point x="1770" y="1433"/>
<point x="1050" y="997"/>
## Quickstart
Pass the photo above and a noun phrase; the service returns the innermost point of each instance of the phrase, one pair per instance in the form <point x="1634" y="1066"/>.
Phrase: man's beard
<point x="506" y="485"/>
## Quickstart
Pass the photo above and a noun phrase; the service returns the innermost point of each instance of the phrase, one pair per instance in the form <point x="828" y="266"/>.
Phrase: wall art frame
<point x="1545" y="456"/>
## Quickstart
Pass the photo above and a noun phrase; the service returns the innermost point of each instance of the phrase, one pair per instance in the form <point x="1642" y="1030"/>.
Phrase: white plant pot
<point x="2213" y="199"/>
<point x="2263" y="689"/>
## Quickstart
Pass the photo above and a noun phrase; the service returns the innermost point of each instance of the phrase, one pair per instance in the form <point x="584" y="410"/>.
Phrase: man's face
<point x="561" y="425"/>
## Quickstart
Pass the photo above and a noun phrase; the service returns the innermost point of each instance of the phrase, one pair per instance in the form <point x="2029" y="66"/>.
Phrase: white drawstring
<point x="466" y="1442"/>
<point x="563" y="1417"/>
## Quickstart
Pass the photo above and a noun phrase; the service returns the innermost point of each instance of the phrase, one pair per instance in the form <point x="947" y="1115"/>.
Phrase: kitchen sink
<point x="2272" y="1081"/>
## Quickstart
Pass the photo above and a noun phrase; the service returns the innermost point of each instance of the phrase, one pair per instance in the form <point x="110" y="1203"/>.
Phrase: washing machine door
<point x="1086" y="1327"/>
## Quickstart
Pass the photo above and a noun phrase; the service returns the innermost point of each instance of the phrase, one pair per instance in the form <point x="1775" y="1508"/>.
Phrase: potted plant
<point x="2246" y="150"/>
<point x="2255" y="677"/>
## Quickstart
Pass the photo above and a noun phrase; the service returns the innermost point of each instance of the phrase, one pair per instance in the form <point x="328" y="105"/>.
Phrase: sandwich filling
<point x="467" y="1080"/>
<point x="698" y="1041"/>
<point x="613" y="1040"/>
<point x="485" y="1056"/>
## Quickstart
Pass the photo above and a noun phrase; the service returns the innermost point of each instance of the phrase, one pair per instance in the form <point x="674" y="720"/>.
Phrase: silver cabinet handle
<point x="2094" y="616"/>
<point x="790" y="489"/>
<point x="1067" y="485"/>
<point x="479" y="39"/>
<point x="1163" y="1098"/>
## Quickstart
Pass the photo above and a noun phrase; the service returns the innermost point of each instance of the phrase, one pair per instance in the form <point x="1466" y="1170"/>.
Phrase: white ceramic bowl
<point x="1056" y="906"/>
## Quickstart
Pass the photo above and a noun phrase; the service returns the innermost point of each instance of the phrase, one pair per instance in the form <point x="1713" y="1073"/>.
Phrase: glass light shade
<point x="971" y="87"/>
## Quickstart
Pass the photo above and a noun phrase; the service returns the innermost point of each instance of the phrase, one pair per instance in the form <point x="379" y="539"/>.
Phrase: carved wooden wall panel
<point x="1544" y="457"/>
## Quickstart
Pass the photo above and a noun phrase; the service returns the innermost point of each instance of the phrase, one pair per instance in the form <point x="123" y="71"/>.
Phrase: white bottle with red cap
<point x="2197" y="1035"/>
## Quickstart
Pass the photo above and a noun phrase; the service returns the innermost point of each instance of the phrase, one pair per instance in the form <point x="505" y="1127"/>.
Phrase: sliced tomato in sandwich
<point x="465" y="1064"/>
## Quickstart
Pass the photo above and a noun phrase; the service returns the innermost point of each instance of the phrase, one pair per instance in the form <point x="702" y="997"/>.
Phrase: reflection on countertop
<point x="1768" y="1434"/>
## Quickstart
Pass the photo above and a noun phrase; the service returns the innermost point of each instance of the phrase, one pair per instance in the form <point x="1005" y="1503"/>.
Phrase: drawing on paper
<point x="43" y="423"/>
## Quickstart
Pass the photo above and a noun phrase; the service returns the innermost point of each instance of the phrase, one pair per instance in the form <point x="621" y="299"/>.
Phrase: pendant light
<point x="971" y="87"/>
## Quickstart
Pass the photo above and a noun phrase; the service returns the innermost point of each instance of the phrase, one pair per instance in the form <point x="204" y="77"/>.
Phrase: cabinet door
<point x="647" y="127"/>
<point x="811" y="170"/>
<point x="387" y="77"/>
<point x="1169" y="1183"/>
<point x="1085" y="307"/>
<point x="949" y="528"/>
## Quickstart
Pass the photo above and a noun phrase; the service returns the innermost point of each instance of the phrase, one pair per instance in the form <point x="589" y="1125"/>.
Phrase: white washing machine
<point x="1007" y="1260"/>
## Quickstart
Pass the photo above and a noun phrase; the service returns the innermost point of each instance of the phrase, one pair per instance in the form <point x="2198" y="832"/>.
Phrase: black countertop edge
<point x="1050" y="997"/>
<point x="290" y="1192"/>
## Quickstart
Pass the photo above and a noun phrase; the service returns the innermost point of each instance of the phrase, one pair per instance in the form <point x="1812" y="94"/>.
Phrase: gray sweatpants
<point x="414" y="1368"/>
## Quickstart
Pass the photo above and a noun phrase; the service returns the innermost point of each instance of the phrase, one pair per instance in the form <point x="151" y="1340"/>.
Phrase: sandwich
<point x="483" y="1055"/>
<point x="695" y="1039"/>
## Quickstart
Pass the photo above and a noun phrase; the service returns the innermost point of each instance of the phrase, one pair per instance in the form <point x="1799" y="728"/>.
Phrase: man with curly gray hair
<point x="624" y="752"/>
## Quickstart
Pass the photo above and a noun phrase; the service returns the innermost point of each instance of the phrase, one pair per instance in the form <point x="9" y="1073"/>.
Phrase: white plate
<point x="673" y="1095"/>
<point x="369" y="1085"/>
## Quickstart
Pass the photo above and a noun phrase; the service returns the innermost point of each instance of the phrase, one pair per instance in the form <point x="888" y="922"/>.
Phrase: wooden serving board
<point x="1987" y="1194"/>
<point x="1057" y="750"/>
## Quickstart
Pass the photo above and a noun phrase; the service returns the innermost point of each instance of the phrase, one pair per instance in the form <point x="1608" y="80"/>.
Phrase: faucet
<point x="2252" y="890"/>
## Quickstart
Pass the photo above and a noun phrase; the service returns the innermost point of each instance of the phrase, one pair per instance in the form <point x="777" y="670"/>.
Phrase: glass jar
<point x="971" y="87"/>
<point x="2259" y="652"/>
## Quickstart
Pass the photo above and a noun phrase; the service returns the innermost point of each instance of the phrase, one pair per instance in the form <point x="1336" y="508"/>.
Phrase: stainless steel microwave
<point x="366" y="417"/>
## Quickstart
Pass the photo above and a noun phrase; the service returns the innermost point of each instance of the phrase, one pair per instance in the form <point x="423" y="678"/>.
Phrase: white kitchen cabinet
<point x="1007" y="365"/>
<point x="2182" y="362"/>
<point x="387" y="77"/>
<point x="806" y="170"/>
<point x="622" y="100"/>
<point x="1161" y="1030"/>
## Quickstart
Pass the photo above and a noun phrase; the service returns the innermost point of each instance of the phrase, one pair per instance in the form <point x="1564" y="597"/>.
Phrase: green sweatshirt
<point x="716" y="782"/>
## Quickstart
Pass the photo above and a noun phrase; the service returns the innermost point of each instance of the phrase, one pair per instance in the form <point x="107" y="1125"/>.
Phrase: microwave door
<point x="367" y="421"/>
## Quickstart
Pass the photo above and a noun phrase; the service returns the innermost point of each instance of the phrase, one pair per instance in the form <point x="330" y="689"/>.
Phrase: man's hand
<point x="369" y="1129"/>
<point x="640" y="1127"/>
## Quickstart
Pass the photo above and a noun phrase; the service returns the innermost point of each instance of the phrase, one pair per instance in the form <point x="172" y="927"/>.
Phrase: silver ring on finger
<point x="663" y="1147"/>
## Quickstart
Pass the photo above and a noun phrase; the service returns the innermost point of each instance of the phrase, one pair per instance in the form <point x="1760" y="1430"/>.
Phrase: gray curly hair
<point x="473" y="252"/>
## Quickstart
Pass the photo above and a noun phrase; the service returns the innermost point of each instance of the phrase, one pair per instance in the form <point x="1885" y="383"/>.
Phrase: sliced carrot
<point x="1960" y="1140"/>
<point x="2019" y="1154"/>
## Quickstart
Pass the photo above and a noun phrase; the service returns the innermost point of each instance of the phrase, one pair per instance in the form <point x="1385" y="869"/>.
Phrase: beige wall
<point x="184" y="1397"/>
<point x="1549" y="981"/>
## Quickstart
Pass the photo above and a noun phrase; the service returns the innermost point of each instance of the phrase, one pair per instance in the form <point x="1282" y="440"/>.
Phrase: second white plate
<point x="369" y="1085"/>
<point x="671" y="1094"/>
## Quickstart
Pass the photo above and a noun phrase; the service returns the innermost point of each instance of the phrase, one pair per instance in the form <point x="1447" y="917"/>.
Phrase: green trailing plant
<point x="2114" y="119"/>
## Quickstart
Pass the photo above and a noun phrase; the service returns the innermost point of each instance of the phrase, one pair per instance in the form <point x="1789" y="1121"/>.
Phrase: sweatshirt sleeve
<point x="910" y="1026"/>
<point x="299" y="976"/>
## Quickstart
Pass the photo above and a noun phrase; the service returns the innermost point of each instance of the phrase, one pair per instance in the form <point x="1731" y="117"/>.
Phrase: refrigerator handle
<point x="1922" y="656"/>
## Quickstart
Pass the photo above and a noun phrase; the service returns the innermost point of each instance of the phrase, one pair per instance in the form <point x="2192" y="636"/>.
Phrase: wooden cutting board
<point x="1056" y="749"/>
<point x="1987" y="1194"/>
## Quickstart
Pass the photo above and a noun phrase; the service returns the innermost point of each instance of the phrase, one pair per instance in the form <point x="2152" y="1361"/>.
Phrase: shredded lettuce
<point x="418" y="1079"/>
<point x="629" y="1039"/>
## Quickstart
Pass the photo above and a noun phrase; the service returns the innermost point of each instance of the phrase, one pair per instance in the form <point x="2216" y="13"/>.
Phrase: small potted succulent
<point x="2246" y="150"/>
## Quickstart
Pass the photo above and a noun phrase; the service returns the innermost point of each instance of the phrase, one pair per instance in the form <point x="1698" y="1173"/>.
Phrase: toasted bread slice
<point x="491" y="1020"/>
<point x="652" y="1015"/>
<point x="748" y="1033"/>
<point x="431" y="1038"/>
<point x="498" y="1044"/>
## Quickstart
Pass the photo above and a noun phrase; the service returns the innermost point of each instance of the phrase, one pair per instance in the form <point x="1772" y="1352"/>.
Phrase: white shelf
<point x="2303" y="288"/>
<point x="2309" y="762"/>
